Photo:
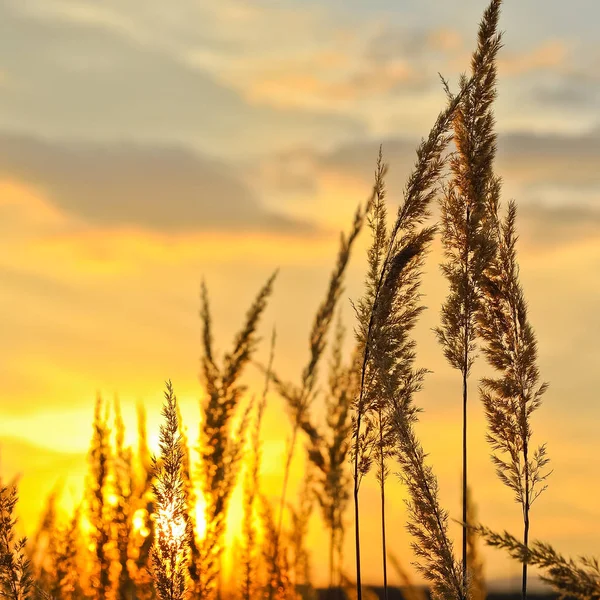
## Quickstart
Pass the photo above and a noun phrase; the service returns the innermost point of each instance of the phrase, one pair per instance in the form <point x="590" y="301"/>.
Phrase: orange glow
<point x="139" y="522"/>
<point x="200" y="516"/>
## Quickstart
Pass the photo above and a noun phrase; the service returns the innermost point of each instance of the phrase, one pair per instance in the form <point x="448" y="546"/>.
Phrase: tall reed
<point x="16" y="579"/>
<point x="220" y="450"/>
<point x="172" y="527"/>
<point x="300" y="397"/>
<point x="249" y="550"/>
<point x="99" y="510"/>
<point x="122" y="517"/>
<point x="300" y="519"/>
<point x="378" y="440"/>
<point x="329" y="452"/>
<point x="144" y="507"/>
<point x="67" y="585"/>
<point x="511" y="398"/>
<point x="467" y="244"/>
<point x="387" y="259"/>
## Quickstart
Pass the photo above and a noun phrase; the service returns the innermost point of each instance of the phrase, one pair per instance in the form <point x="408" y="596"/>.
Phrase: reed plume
<point x="467" y="244"/>
<point x="172" y="527"/>
<point x="428" y="521"/>
<point x="249" y="558"/>
<point x="377" y="438"/>
<point x="377" y="330"/>
<point x="571" y="578"/>
<point x="122" y="514"/>
<point x="277" y="581"/>
<point x="300" y="397"/>
<point x="16" y="579"/>
<point x="44" y="543"/>
<point x="387" y="316"/>
<point x="190" y="501"/>
<point x="220" y="450"/>
<point x="144" y="510"/>
<point x="300" y="519"/>
<point x="329" y="451"/>
<point x="99" y="510"/>
<point x="66" y="584"/>
<point x="511" y="348"/>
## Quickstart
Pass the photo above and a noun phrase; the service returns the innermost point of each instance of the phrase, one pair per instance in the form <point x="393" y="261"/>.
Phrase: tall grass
<point x="300" y="397"/>
<point x="170" y="553"/>
<point x="250" y="550"/>
<point x="99" y="511"/>
<point x="511" y="398"/>
<point x="467" y="244"/>
<point x="571" y="578"/>
<point x="136" y="534"/>
<point x="329" y="453"/>
<point x="383" y="340"/>
<point x="220" y="448"/>
<point x="16" y="580"/>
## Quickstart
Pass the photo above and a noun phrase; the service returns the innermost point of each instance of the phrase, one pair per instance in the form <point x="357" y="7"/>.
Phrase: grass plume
<point x="249" y="550"/>
<point x="388" y="257"/>
<point x="467" y="244"/>
<point x="300" y="397"/>
<point x="571" y="578"/>
<point x="329" y="452"/>
<point x="510" y="399"/>
<point x="220" y="449"/>
<point x="16" y="580"/>
<point x="172" y="528"/>
<point x="99" y="510"/>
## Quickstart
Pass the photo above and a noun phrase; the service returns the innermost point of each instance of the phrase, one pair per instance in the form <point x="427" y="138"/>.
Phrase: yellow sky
<point x="139" y="155"/>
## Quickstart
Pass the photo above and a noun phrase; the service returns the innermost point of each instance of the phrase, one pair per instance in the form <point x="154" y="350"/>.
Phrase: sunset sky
<point x="145" y="145"/>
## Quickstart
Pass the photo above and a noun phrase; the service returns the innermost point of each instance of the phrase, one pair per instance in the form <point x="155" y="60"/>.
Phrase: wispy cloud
<point x="162" y="188"/>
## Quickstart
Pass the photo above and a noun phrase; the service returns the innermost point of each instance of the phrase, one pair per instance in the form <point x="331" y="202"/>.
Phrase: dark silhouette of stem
<point x="525" y="518"/>
<point x="383" y="542"/>
<point x="465" y="373"/>
<point x="356" y="521"/>
<point x="464" y="483"/>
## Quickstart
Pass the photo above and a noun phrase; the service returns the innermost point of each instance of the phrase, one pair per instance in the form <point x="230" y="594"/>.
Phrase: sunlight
<point x="200" y="515"/>
<point x="139" y="522"/>
<point x="170" y="526"/>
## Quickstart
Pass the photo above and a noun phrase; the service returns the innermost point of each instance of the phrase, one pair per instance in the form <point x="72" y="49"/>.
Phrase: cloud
<point x="549" y="55"/>
<point x="310" y="91"/>
<point x="163" y="188"/>
<point x="554" y="177"/>
<point x="524" y="157"/>
<point x="417" y="44"/>
<point x="551" y="158"/>
<point x="90" y="78"/>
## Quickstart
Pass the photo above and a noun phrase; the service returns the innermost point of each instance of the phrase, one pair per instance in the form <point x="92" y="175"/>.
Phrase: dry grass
<point x="136" y="534"/>
<point x="170" y="553"/>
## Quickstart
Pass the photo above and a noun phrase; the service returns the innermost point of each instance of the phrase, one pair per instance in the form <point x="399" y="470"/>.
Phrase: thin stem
<point x="382" y="487"/>
<point x="383" y="542"/>
<point x="464" y="483"/>
<point x="465" y="372"/>
<point x="525" y="519"/>
<point x="357" y="528"/>
<point x="331" y="557"/>
<point x="360" y="405"/>
<point x="286" y="476"/>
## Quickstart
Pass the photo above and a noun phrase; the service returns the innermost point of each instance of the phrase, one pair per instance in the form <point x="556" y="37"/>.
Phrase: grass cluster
<point x="137" y="531"/>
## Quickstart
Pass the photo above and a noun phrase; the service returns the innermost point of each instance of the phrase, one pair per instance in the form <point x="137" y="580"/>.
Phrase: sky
<point x="147" y="145"/>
